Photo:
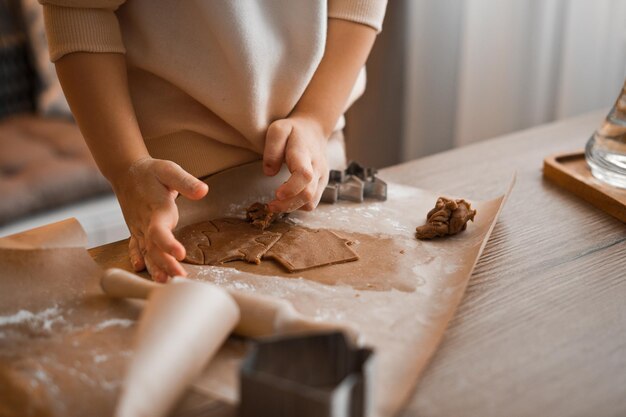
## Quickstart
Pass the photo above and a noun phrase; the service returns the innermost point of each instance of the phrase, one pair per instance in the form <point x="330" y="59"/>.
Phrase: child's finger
<point x="136" y="257"/>
<point x="302" y="175"/>
<point x="162" y="265"/>
<point x="321" y="186"/>
<point x="160" y="234"/>
<point x="294" y="203"/>
<point x="164" y="239"/>
<point x="275" y="140"/>
<point x="157" y="273"/>
<point x="176" y="178"/>
<point x="286" y="206"/>
<point x="318" y="195"/>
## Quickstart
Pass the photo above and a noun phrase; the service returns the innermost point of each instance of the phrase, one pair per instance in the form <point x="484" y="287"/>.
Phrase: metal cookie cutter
<point x="355" y="183"/>
<point x="319" y="375"/>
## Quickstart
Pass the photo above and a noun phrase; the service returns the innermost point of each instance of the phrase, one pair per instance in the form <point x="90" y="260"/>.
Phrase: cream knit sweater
<point x="207" y="77"/>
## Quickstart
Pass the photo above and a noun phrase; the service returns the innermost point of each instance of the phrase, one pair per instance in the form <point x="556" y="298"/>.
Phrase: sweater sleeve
<point x="366" y="12"/>
<point x="82" y="26"/>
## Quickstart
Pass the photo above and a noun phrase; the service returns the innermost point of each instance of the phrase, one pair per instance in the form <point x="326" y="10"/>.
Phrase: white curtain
<point x="475" y="69"/>
<point x="504" y="65"/>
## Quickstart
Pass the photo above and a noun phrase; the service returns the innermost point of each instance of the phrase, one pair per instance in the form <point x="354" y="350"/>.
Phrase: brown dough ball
<point x="447" y="218"/>
<point x="260" y="216"/>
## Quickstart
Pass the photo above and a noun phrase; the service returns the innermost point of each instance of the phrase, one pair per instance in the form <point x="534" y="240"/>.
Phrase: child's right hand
<point x="146" y="192"/>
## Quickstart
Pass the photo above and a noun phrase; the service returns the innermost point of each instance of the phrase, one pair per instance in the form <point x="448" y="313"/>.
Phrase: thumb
<point x="175" y="178"/>
<point x="275" y="140"/>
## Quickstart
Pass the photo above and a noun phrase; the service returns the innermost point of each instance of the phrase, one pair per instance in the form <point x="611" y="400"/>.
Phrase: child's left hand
<point x="300" y="143"/>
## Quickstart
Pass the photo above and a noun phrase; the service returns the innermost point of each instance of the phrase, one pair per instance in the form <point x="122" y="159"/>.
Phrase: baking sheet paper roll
<point x="182" y="327"/>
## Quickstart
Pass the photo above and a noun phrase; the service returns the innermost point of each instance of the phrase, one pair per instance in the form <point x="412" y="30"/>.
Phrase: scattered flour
<point x="113" y="322"/>
<point x="42" y="320"/>
<point x="100" y="358"/>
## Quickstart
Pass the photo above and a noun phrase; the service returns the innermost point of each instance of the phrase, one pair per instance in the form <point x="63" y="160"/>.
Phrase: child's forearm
<point x="347" y="46"/>
<point x="96" y="88"/>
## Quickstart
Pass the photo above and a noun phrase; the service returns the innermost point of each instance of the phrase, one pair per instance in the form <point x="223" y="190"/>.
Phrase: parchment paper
<point x="64" y="346"/>
<point x="399" y="296"/>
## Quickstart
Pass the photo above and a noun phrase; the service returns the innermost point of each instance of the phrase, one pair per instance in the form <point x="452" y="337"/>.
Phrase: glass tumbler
<point x="606" y="149"/>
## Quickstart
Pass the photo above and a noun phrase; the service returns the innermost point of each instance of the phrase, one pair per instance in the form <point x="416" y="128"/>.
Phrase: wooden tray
<point x="570" y="171"/>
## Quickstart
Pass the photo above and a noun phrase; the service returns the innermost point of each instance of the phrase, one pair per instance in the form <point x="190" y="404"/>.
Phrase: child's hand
<point x="146" y="192"/>
<point x="301" y="144"/>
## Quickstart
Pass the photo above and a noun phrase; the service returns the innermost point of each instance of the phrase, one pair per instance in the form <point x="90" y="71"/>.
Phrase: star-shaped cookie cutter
<point x="355" y="183"/>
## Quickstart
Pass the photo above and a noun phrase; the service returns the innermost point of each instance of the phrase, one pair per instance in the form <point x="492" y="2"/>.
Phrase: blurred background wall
<point x="447" y="73"/>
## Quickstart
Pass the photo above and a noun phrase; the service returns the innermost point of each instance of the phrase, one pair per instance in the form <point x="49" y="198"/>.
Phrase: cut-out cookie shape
<point x="299" y="249"/>
<point x="225" y="240"/>
<point x="244" y="242"/>
<point x="192" y="237"/>
<point x="295" y="248"/>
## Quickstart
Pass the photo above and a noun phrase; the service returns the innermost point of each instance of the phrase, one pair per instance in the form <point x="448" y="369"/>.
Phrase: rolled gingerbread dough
<point x="300" y="249"/>
<point x="225" y="240"/>
<point x="296" y="248"/>
<point x="193" y="238"/>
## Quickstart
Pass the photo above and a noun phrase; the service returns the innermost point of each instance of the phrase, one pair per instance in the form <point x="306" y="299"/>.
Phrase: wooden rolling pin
<point x="179" y="332"/>
<point x="260" y="315"/>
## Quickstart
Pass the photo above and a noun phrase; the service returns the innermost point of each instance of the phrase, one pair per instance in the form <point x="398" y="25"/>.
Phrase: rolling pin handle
<point x="260" y="316"/>
<point x="123" y="284"/>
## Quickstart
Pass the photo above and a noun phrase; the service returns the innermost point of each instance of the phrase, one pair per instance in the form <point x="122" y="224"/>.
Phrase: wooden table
<point x="542" y="328"/>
